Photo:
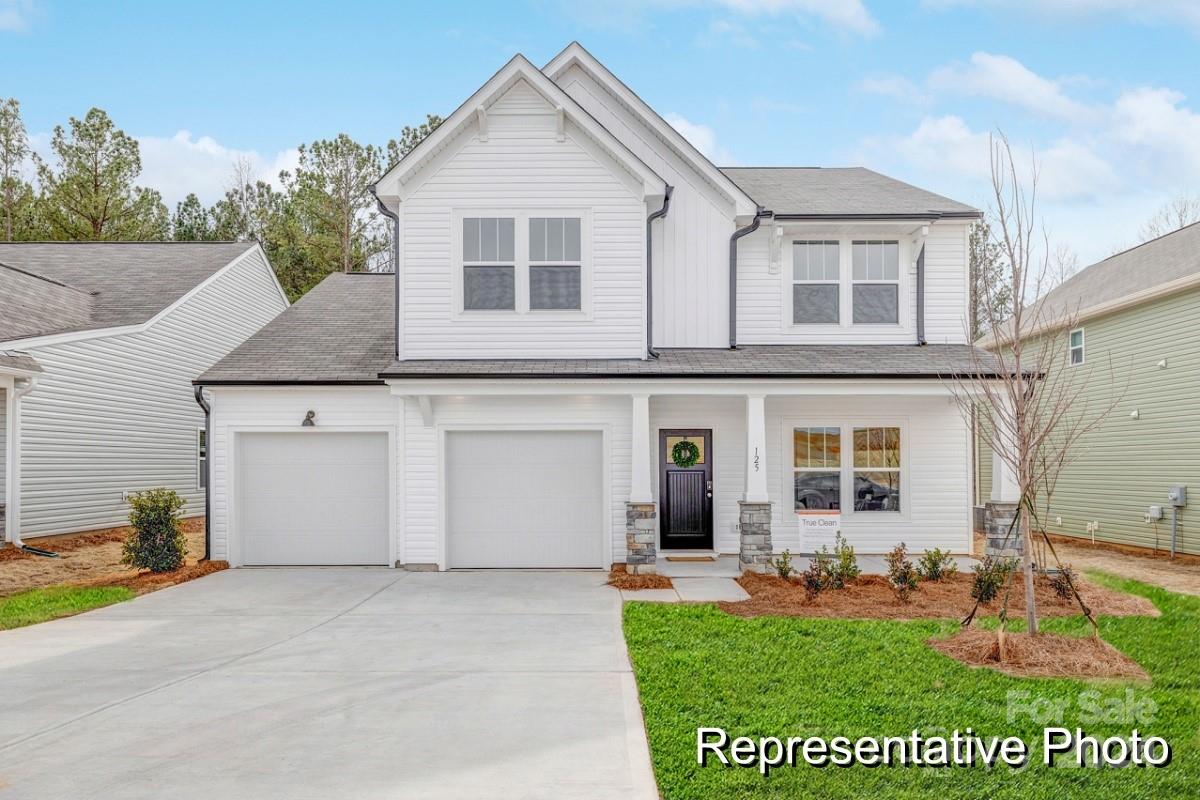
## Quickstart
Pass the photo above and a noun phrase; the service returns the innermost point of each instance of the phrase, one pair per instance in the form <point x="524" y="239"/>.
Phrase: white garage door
<point x="312" y="498"/>
<point x="525" y="499"/>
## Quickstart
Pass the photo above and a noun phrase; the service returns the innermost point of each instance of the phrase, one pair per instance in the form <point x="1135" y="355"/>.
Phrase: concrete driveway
<point x="329" y="683"/>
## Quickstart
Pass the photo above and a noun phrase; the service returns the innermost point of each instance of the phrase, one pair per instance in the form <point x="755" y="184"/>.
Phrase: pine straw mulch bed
<point x="71" y="542"/>
<point x="1046" y="655"/>
<point x="621" y="579"/>
<point x="145" y="582"/>
<point x="871" y="597"/>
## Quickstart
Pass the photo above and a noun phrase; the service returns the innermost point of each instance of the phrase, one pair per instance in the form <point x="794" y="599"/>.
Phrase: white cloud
<point x="1153" y="123"/>
<point x="732" y="32"/>
<point x="702" y="138"/>
<point x="17" y="16"/>
<point x="895" y="86"/>
<point x="849" y="15"/>
<point x="630" y="15"/>
<point x="1006" y="79"/>
<point x="181" y="164"/>
<point x="1139" y="11"/>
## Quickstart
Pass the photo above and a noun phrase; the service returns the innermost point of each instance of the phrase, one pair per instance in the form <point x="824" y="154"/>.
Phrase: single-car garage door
<point x="524" y="499"/>
<point x="312" y="498"/>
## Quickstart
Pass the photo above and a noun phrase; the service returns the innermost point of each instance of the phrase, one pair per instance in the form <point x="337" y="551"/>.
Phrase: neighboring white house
<point x="99" y="343"/>
<point x="598" y="347"/>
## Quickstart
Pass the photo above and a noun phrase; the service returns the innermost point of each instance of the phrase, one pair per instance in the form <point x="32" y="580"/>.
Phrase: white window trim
<point x="200" y="459"/>
<point x="847" y="425"/>
<point x="901" y="254"/>
<point x="1082" y="348"/>
<point x="846" y="283"/>
<point x="521" y="217"/>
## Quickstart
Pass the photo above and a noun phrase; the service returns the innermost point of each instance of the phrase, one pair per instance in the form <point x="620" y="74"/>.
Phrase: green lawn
<point x="699" y="667"/>
<point x="40" y="605"/>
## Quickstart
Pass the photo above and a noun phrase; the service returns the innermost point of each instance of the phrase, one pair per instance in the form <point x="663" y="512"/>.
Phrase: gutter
<point x="759" y="216"/>
<point x="199" y="393"/>
<point x="395" y="218"/>
<point x="662" y="212"/>
<point x="921" y="296"/>
<point x="926" y="216"/>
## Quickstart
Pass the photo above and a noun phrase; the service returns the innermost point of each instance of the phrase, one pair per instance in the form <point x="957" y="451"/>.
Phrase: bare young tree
<point x="1182" y="210"/>
<point x="1018" y="389"/>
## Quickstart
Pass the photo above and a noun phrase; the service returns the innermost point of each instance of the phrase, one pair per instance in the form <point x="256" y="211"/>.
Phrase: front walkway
<point x="320" y="683"/>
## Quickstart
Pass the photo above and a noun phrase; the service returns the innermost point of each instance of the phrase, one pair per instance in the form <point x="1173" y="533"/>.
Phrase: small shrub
<point x="844" y="568"/>
<point x="817" y="577"/>
<point x="990" y="574"/>
<point x="783" y="564"/>
<point x="157" y="542"/>
<point x="902" y="575"/>
<point x="1062" y="581"/>
<point x="936" y="564"/>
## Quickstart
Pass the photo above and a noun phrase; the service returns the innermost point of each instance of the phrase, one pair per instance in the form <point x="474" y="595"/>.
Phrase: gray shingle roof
<point x="343" y="331"/>
<point x="18" y="361"/>
<point x="748" y="361"/>
<point x="840" y="192"/>
<point x="125" y="283"/>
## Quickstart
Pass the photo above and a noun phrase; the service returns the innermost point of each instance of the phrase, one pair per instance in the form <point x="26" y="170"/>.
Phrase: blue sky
<point x="1107" y="92"/>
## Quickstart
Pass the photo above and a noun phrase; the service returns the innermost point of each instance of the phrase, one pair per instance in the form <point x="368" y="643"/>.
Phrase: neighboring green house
<point x="1136" y="335"/>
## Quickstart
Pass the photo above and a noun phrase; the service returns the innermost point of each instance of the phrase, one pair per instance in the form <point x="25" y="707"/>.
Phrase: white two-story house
<point x="599" y="347"/>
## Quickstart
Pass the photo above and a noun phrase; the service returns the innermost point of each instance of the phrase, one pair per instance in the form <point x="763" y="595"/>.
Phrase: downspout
<point x="395" y="218"/>
<point x="662" y="212"/>
<point x="921" y="296"/>
<point x="14" y="477"/>
<point x="199" y="392"/>
<point x="760" y="214"/>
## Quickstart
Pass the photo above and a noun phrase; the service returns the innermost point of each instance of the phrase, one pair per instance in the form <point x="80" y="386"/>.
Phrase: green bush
<point x="902" y="575"/>
<point x="936" y="564"/>
<point x="844" y="568"/>
<point x="783" y="564"/>
<point x="990" y="575"/>
<point x="817" y="577"/>
<point x="157" y="542"/>
<point x="1062" y="581"/>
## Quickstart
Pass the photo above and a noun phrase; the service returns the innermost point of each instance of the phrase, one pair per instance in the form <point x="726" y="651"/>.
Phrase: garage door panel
<point x="313" y="498"/>
<point x="525" y="499"/>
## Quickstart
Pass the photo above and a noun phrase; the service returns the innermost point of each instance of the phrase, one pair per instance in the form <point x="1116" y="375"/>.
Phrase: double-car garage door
<point x="512" y="498"/>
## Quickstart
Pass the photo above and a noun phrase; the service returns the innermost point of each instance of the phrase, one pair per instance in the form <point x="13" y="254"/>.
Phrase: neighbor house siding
<point x="691" y="244"/>
<point x="762" y="304"/>
<point x="114" y="414"/>
<point x="1123" y="465"/>
<point x="283" y="409"/>
<point x="523" y="165"/>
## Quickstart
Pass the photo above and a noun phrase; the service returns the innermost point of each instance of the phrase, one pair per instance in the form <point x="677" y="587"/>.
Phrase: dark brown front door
<point x="685" y="505"/>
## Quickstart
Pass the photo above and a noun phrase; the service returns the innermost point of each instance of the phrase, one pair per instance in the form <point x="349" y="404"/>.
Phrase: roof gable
<point x="575" y="55"/>
<point x="396" y="182"/>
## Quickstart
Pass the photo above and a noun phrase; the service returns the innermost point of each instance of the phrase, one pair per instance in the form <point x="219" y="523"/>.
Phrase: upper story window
<point x="524" y="263"/>
<point x="1075" y="347"/>
<point x="816" y="283"/>
<point x="876" y="272"/>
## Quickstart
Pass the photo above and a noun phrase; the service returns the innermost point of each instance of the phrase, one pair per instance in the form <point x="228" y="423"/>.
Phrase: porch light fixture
<point x="309" y="420"/>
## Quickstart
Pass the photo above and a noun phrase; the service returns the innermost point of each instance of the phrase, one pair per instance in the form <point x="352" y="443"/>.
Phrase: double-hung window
<point x="816" y="277"/>
<point x="822" y="468"/>
<point x="201" y="459"/>
<point x="1075" y="347"/>
<point x="876" y="284"/>
<point x="524" y="263"/>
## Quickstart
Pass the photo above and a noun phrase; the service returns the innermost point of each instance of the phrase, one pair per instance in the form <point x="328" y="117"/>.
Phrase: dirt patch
<point x="84" y="558"/>
<point x="1046" y="655"/>
<point x="621" y="579"/>
<point x="871" y="597"/>
<point x="143" y="582"/>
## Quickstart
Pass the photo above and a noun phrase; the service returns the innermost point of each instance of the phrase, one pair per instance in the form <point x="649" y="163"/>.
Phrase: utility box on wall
<point x="1177" y="495"/>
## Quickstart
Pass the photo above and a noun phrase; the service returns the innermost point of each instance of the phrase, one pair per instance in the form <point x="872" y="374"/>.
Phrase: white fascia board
<point x="726" y="387"/>
<point x="395" y="183"/>
<point x="120" y="330"/>
<point x="575" y="54"/>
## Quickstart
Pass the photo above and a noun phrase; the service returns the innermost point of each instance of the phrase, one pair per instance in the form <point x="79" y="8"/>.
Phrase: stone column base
<point x="754" y="526"/>
<point x="998" y="542"/>
<point x="641" y="551"/>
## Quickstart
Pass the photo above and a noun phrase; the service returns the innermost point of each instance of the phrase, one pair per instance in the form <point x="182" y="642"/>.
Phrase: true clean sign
<point x="819" y="529"/>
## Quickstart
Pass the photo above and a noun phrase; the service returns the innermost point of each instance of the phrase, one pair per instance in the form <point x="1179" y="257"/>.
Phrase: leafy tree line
<point x="321" y="219"/>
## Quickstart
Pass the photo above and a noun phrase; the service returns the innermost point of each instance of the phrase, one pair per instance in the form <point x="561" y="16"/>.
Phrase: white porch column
<point x="1005" y="488"/>
<point x="12" y="462"/>
<point x="639" y="489"/>
<point x="756" y="449"/>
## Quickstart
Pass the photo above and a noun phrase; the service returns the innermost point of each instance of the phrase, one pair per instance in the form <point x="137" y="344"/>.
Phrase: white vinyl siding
<point x="690" y="244"/>
<point x="117" y="413"/>
<point x="523" y="169"/>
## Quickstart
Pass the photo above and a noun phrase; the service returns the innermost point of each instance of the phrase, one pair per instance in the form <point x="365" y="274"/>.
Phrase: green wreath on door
<point x="685" y="454"/>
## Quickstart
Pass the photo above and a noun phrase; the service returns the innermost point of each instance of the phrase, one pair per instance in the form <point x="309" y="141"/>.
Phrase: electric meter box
<point x="1177" y="495"/>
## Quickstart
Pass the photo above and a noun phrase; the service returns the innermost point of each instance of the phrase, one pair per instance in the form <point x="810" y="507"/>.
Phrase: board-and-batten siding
<point x="523" y="165"/>
<point x="762" y="295"/>
<point x="116" y="413"/>
<point x="420" y="516"/>
<point x="282" y="409"/>
<point x="1124" y="465"/>
<point x="690" y="244"/>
